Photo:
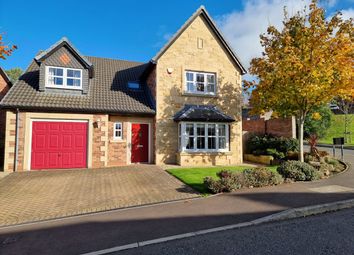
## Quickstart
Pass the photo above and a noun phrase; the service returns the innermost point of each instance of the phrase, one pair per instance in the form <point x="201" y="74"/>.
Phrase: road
<point x="330" y="233"/>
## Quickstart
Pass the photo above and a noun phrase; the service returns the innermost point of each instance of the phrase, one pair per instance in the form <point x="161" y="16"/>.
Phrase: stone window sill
<point x="117" y="141"/>
<point x="199" y="95"/>
<point x="186" y="153"/>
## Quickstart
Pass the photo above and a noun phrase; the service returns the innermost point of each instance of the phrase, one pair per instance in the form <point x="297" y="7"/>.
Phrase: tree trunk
<point x="300" y="137"/>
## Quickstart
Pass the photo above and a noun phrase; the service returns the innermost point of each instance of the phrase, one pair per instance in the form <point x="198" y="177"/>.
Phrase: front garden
<point x="286" y="168"/>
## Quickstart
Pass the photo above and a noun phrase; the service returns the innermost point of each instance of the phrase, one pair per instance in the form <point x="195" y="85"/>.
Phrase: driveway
<point x="34" y="196"/>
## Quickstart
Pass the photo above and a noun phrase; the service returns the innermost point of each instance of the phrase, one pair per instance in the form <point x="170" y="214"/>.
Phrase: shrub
<point x="331" y="161"/>
<point x="259" y="144"/>
<point x="230" y="181"/>
<point x="276" y="154"/>
<point x="260" y="177"/>
<point x="298" y="171"/>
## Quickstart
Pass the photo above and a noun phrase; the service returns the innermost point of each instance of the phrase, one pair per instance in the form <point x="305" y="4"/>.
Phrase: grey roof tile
<point x="108" y="91"/>
<point x="201" y="113"/>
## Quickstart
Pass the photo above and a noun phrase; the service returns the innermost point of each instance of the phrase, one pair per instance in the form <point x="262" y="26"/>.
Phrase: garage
<point x="59" y="144"/>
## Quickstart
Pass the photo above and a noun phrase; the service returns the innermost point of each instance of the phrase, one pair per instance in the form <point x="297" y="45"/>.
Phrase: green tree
<point x="317" y="121"/>
<point x="14" y="74"/>
<point x="304" y="65"/>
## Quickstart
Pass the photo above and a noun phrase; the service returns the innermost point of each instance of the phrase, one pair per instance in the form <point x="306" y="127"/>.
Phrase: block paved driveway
<point x="40" y="195"/>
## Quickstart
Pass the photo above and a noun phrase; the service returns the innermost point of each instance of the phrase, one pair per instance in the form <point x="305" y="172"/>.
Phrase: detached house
<point x="182" y="107"/>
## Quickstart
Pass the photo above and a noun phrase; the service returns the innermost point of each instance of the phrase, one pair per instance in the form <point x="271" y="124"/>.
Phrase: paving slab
<point x="34" y="196"/>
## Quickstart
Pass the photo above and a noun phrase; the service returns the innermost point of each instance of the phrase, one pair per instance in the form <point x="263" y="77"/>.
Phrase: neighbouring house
<point x="182" y="107"/>
<point x="5" y="84"/>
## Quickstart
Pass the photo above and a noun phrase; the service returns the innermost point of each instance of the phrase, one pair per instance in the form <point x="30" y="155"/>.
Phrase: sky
<point x="136" y="30"/>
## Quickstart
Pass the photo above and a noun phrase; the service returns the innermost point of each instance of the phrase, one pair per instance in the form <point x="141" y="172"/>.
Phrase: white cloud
<point x="242" y="28"/>
<point x="348" y="13"/>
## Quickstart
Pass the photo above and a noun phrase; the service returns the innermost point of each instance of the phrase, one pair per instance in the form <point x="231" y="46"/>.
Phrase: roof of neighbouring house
<point x="202" y="113"/>
<point x="202" y="11"/>
<point x="5" y="76"/>
<point x="108" y="92"/>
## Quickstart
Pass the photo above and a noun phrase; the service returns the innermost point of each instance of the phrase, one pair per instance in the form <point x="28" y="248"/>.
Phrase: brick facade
<point x="4" y="88"/>
<point x="277" y="127"/>
<point x="184" y="55"/>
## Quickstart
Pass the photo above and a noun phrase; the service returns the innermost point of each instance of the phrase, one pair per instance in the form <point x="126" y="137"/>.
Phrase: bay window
<point x="203" y="137"/>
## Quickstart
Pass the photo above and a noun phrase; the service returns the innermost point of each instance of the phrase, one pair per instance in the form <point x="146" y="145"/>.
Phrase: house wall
<point x="183" y="55"/>
<point x="4" y="88"/>
<point x="103" y="150"/>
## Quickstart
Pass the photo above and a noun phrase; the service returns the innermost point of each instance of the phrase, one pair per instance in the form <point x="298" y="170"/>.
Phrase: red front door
<point x="140" y="143"/>
<point x="59" y="145"/>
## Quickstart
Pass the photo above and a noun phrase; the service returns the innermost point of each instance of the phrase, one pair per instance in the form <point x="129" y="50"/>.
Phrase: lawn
<point x="194" y="176"/>
<point x="337" y="129"/>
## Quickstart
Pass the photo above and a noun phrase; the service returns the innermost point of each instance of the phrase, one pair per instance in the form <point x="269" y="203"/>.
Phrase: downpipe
<point x="16" y="140"/>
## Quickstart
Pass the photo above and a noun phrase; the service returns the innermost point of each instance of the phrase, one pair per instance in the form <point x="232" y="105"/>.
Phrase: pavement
<point x="99" y="231"/>
<point x="330" y="234"/>
<point x="40" y="195"/>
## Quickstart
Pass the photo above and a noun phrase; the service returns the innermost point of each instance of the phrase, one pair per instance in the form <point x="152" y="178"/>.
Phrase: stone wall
<point x="100" y="140"/>
<point x="117" y="148"/>
<point x="184" y="54"/>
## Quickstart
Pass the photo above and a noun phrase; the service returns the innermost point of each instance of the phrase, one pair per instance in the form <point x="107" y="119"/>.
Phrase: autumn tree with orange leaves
<point x="306" y="64"/>
<point x="5" y="49"/>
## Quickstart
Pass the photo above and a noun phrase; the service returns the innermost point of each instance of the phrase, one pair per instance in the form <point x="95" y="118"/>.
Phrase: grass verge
<point x="194" y="176"/>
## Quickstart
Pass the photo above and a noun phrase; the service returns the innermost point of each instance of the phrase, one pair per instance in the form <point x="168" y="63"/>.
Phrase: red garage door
<point x="59" y="145"/>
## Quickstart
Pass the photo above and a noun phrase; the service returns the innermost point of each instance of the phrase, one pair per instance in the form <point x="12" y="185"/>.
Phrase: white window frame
<point x="194" y="91"/>
<point x="65" y="77"/>
<point x="119" y="129"/>
<point x="183" y="137"/>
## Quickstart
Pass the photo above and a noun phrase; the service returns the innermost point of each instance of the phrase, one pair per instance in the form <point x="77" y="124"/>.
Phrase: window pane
<point x="200" y="142"/>
<point x="55" y="71"/>
<point x="201" y="129"/>
<point x="222" y="143"/>
<point x="190" y="129"/>
<point x="74" y="73"/>
<point x="211" y="142"/>
<point x="211" y="78"/>
<point x="211" y="130"/>
<point x="190" y="86"/>
<point x="222" y="130"/>
<point x="73" y="82"/>
<point x="70" y="73"/>
<point x="189" y="76"/>
<point x="58" y="81"/>
<point x="200" y="78"/>
<point x="190" y="143"/>
<point x="200" y="86"/>
<point x="210" y="87"/>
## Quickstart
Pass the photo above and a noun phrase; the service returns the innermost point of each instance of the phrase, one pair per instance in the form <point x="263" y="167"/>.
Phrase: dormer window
<point x="60" y="77"/>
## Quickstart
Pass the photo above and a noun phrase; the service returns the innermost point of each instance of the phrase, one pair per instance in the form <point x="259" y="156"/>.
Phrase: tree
<point x="345" y="105"/>
<point x="5" y="49"/>
<point x="304" y="65"/>
<point x="317" y="121"/>
<point x="14" y="74"/>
